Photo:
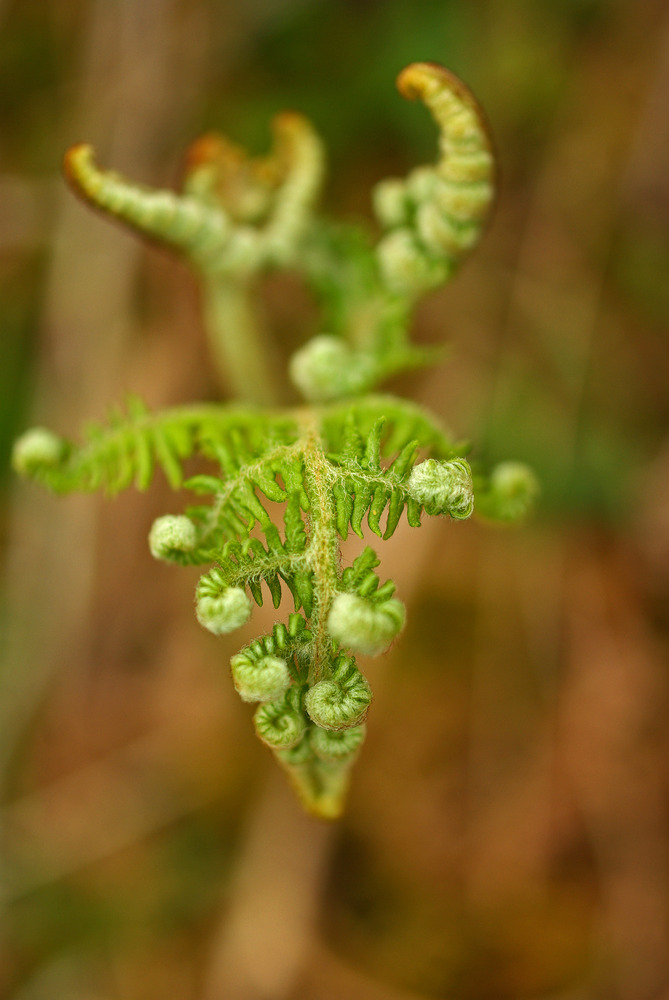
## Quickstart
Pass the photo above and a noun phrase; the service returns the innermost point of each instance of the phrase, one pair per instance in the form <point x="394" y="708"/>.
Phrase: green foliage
<point x="347" y="460"/>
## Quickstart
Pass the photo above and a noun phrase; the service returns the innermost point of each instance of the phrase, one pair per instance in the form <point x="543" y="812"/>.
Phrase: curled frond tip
<point x="421" y="80"/>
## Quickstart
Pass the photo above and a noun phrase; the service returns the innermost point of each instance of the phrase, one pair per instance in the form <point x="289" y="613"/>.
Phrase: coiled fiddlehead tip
<point x="38" y="449"/>
<point x="342" y="700"/>
<point x="327" y="368"/>
<point x="513" y="492"/>
<point x="436" y="215"/>
<point x="413" y="79"/>
<point x="426" y="81"/>
<point x="443" y="487"/>
<point x="314" y="367"/>
<point x="224" y="613"/>
<point x="364" y="627"/>
<point x="422" y="80"/>
<point x="281" y="724"/>
<point x="171" y="536"/>
<point x="77" y="158"/>
<point x="337" y="746"/>
<point x="262" y="679"/>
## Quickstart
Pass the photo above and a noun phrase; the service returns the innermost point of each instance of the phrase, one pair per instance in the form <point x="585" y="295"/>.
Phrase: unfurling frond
<point x="236" y="216"/>
<point x="273" y="492"/>
<point x="436" y="215"/>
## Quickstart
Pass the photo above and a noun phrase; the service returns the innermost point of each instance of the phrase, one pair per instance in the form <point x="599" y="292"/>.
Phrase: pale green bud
<point x="38" y="449"/>
<point x="443" y="487"/>
<point x="336" y="746"/>
<point x="342" y="700"/>
<point x="364" y="627"/>
<point x="224" y="612"/>
<point x="262" y="679"/>
<point x="171" y="536"/>
<point x="513" y="488"/>
<point x="315" y="367"/>
<point x="326" y="368"/>
<point x="281" y="724"/>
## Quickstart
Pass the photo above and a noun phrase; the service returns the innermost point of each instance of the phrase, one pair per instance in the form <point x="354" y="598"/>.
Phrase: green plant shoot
<point x="347" y="457"/>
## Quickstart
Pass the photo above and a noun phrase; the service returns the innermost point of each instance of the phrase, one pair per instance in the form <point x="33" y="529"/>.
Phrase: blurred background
<point x="508" y="827"/>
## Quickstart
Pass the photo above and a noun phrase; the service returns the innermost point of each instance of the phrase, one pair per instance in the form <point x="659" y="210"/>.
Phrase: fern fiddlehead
<point x="346" y="459"/>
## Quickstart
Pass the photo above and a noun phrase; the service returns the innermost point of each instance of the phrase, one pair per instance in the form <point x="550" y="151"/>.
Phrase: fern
<point x="345" y="461"/>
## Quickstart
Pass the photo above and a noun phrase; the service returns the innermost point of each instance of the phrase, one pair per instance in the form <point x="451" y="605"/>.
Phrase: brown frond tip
<point x="426" y="80"/>
<point x="210" y="148"/>
<point x="246" y="185"/>
<point x="80" y="153"/>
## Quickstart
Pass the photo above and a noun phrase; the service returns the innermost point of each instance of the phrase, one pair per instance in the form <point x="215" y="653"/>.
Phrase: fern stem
<point x="323" y="551"/>
<point x="238" y="343"/>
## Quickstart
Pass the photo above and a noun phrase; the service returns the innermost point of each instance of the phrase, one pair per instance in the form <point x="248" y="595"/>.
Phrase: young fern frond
<point x="126" y="450"/>
<point x="235" y="216"/>
<point x="436" y="215"/>
<point x="431" y="220"/>
<point x="276" y="491"/>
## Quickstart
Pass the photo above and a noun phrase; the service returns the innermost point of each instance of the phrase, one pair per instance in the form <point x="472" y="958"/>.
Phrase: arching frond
<point x="126" y="450"/>
<point x="436" y="215"/>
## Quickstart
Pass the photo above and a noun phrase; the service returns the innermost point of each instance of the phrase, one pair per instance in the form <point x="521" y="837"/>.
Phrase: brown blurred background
<point x="508" y="828"/>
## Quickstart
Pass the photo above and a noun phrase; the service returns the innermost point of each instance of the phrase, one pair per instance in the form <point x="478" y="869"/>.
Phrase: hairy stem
<point x="323" y="550"/>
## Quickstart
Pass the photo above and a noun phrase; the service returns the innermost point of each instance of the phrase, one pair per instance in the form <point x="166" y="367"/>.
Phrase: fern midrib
<point x="323" y="548"/>
<point x="262" y="568"/>
<point x="383" y="478"/>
